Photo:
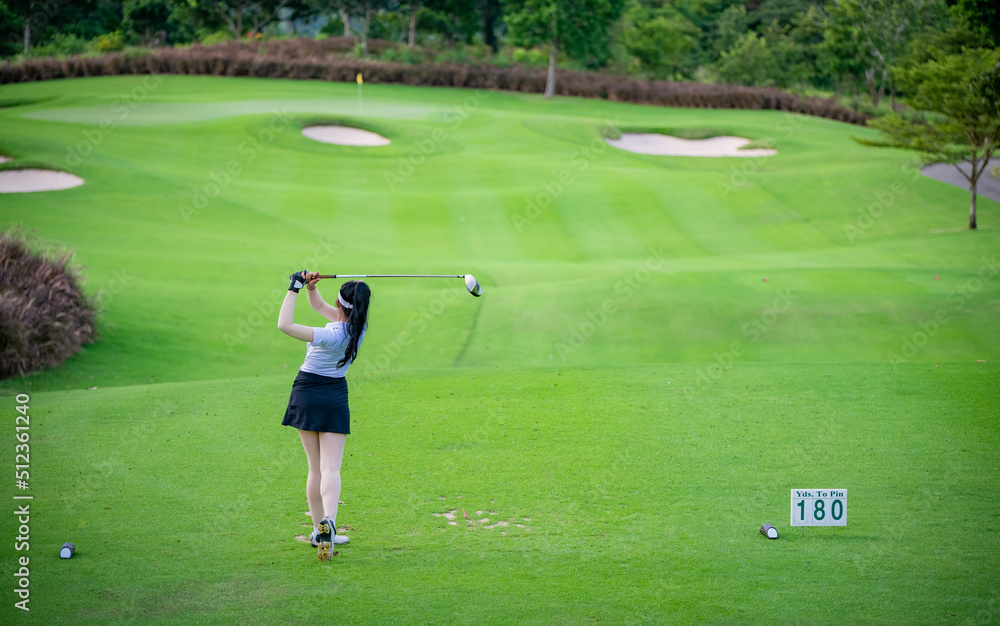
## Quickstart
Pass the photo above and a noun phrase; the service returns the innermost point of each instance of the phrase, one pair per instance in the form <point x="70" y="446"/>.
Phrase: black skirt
<point x="318" y="403"/>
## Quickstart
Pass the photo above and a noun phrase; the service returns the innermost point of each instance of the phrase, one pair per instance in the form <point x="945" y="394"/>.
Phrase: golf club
<point x="470" y="281"/>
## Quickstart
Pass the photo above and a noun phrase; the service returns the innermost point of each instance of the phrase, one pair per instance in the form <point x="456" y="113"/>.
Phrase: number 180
<point x="819" y="510"/>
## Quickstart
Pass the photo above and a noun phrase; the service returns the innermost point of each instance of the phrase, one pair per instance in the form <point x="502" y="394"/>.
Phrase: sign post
<point x="819" y="507"/>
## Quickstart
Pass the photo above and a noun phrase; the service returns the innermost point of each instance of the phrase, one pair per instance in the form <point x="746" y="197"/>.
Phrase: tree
<point x="843" y="57"/>
<point x="240" y="17"/>
<point x="490" y="10"/>
<point x="25" y="9"/>
<point x="577" y="27"/>
<point x="43" y="19"/>
<point x="880" y="27"/>
<point x="981" y="16"/>
<point x="247" y="17"/>
<point x="730" y="26"/>
<point x="148" y="20"/>
<point x="11" y="30"/>
<point x="750" y="61"/>
<point x="963" y="93"/>
<point x="664" y="42"/>
<point x="806" y="34"/>
<point x="365" y="10"/>
<point x="413" y="7"/>
<point x="452" y="18"/>
<point x="784" y="12"/>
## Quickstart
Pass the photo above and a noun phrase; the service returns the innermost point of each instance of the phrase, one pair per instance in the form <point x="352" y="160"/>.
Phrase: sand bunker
<point x="344" y="136"/>
<point x="665" y="145"/>
<point x="4" y="159"/>
<point x="20" y="181"/>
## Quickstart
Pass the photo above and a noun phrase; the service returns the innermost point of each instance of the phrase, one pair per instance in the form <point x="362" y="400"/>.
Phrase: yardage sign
<point x="819" y="507"/>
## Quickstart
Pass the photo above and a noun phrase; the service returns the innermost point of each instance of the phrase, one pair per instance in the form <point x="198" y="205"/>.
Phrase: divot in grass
<point x="450" y="515"/>
<point x="485" y="521"/>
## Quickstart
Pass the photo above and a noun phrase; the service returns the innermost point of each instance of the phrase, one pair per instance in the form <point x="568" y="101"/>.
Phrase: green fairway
<point x="524" y="195"/>
<point x="665" y="347"/>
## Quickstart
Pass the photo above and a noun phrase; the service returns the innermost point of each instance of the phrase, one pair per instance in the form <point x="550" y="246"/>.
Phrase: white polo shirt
<point x="327" y="349"/>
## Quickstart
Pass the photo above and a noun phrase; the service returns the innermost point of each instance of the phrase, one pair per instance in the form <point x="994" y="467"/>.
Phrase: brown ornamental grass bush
<point x="44" y="316"/>
<point x="307" y="59"/>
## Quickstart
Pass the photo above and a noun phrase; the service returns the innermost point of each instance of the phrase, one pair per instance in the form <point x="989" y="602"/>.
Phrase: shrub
<point x="44" y="316"/>
<point x="110" y="42"/>
<point x="218" y="36"/>
<point x="59" y="46"/>
<point x="464" y="53"/>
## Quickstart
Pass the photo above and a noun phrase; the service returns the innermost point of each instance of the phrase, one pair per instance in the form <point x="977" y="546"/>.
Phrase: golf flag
<point x="360" y="80"/>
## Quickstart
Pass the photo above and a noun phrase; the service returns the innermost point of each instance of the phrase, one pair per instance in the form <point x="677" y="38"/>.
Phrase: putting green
<point x="133" y="112"/>
<point x="691" y="338"/>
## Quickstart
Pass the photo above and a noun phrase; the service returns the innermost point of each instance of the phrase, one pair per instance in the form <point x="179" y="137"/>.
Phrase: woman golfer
<point x="317" y="406"/>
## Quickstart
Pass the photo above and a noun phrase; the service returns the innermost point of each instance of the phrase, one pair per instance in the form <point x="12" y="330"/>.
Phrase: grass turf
<point x="639" y="489"/>
<point x="677" y="395"/>
<point x="552" y="221"/>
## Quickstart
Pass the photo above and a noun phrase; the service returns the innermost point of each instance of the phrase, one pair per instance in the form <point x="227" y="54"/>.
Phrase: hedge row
<point x="306" y="59"/>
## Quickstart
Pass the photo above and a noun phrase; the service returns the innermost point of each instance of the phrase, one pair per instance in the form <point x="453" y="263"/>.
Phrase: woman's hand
<point x="311" y="279"/>
<point x="297" y="281"/>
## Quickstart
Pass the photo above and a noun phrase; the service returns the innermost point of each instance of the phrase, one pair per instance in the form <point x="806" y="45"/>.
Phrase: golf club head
<point x="473" y="285"/>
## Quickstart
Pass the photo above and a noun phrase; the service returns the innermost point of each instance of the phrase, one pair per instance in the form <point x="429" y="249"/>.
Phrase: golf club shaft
<point x="391" y="276"/>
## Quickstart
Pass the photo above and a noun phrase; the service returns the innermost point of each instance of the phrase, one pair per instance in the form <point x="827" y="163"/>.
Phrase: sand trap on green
<point x="4" y="159"/>
<point x="345" y="136"/>
<point x="21" y="181"/>
<point x="667" y="145"/>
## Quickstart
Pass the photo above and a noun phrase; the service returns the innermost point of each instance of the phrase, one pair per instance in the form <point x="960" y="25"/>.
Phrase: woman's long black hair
<point x="357" y="294"/>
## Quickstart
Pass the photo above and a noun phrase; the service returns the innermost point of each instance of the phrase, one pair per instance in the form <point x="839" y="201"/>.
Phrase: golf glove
<point x="298" y="280"/>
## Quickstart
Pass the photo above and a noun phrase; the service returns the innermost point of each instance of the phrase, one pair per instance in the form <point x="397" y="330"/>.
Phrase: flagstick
<point x="360" y="82"/>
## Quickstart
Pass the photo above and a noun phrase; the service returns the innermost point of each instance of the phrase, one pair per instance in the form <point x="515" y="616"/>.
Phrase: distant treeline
<point x="307" y="59"/>
<point x="849" y="48"/>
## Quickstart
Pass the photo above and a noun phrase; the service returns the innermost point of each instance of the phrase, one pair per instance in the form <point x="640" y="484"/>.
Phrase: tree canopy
<point x="962" y="91"/>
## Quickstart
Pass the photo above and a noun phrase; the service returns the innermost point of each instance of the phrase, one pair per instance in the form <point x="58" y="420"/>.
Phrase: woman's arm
<point x="287" y="314"/>
<point x="316" y="300"/>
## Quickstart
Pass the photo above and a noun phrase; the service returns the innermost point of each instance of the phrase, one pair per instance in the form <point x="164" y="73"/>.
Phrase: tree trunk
<point x="550" y="82"/>
<point x="413" y="25"/>
<point x="239" y="22"/>
<point x="27" y="35"/>
<point x="893" y="96"/>
<point x="449" y="39"/>
<point x="874" y="89"/>
<point x="491" y="12"/>
<point x="346" y="19"/>
<point x="972" y="207"/>
<point x="364" y="33"/>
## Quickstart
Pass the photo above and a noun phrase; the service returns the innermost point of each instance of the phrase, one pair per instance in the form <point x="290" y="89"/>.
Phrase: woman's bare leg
<point x="331" y="447"/>
<point x="310" y="441"/>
